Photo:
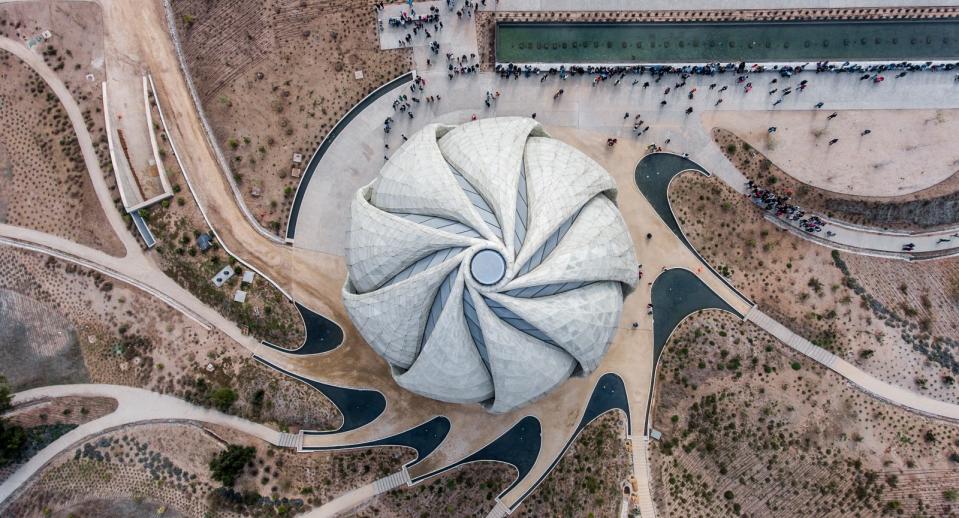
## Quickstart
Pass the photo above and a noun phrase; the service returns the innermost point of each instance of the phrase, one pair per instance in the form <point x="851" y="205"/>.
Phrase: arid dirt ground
<point x="589" y="478"/>
<point x="44" y="184"/>
<point x="167" y="464"/>
<point x="177" y="224"/>
<point x="586" y="482"/>
<point x="894" y="319"/>
<point x="38" y="136"/>
<point x="914" y="208"/>
<point x="274" y="77"/>
<point x="123" y="336"/>
<point x="751" y="428"/>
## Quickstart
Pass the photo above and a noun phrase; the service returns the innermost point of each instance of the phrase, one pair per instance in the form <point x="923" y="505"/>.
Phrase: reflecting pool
<point x="914" y="40"/>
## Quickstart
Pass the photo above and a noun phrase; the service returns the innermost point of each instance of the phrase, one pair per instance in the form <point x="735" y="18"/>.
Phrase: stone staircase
<point x="291" y="440"/>
<point x="498" y="511"/>
<point x="822" y="356"/>
<point x="398" y="479"/>
<point x="645" y="493"/>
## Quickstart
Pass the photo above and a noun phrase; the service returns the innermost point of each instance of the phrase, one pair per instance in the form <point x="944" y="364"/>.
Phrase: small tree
<point x="228" y="465"/>
<point x="223" y="398"/>
<point x="12" y="437"/>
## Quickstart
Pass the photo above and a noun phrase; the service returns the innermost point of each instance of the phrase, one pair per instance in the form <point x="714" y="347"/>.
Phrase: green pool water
<point x="919" y="40"/>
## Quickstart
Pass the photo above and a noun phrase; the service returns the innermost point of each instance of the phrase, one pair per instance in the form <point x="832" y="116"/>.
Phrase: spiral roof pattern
<point x="488" y="262"/>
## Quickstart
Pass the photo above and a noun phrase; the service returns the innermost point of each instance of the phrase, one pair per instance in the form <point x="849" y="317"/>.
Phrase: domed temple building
<point x="488" y="263"/>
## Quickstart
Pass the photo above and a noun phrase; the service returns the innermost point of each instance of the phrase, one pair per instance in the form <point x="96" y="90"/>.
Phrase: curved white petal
<point x="581" y="321"/>
<point x="523" y="367"/>
<point x="596" y="248"/>
<point x="560" y="180"/>
<point x="417" y="180"/>
<point x="449" y="368"/>
<point x="448" y="193"/>
<point x="383" y="244"/>
<point x="489" y="154"/>
<point x="392" y="319"/>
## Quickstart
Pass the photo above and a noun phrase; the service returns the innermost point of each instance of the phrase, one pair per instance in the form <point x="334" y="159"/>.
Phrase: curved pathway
<point x="134" y="405"/>
<point x="851" y="238"/>
<point x="857" y="377"/>
<point x="18" y="237"/>
<point x="53" y="81"/>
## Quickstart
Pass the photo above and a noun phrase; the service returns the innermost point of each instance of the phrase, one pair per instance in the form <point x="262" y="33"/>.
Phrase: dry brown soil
<point x="274" y="77"/>
<point x="167" y="464"/>
<point x="61" y="410"/>
<point x="588" y="480"/>
<point x="44" y="183"/>
<point x="894" y="319"/>
<point x="126" y="337"/>
<point x="177" y="223"/>
<point x="752" y="428"/>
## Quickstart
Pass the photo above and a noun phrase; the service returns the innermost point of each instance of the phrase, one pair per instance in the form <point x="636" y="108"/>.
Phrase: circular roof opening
<point x="488" y="267"/>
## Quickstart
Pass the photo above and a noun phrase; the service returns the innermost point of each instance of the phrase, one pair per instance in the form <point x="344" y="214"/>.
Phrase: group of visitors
<point x="420" y="24"/>
<point x="461" y="65"/>
<point x="779" y="205"/>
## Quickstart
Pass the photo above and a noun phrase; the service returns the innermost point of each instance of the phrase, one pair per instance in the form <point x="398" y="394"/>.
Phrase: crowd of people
<point x="419" y="25"/>
<point x="779" y="205"/>
<point x="605" y="72"/>
<point x="461" y="65"/>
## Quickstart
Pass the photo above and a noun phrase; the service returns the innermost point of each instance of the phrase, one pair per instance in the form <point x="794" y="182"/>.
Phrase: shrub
<point x="12" y="437"/>
<point x="227" y="465"/>
<point x="223" y="398"/>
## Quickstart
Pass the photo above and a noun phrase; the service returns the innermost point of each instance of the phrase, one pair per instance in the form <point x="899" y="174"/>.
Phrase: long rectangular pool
<point x="694" y="42"/>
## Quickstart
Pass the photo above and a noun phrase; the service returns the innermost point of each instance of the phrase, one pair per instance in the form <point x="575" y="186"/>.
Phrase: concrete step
<point x="783" y="334"/>
<point x="498" y="511"/>
<point x="290" y="440"/>
<point x="389" y="482"/>
<point x="647" y="509"/>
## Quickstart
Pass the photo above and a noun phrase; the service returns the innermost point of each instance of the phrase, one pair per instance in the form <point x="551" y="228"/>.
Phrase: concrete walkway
<point x="134" y="405"/>
<point x="602" y="109"/>
<point x="36" y="241"/>
<point x="644" y="492"/>
<point x="861" y="379"/>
